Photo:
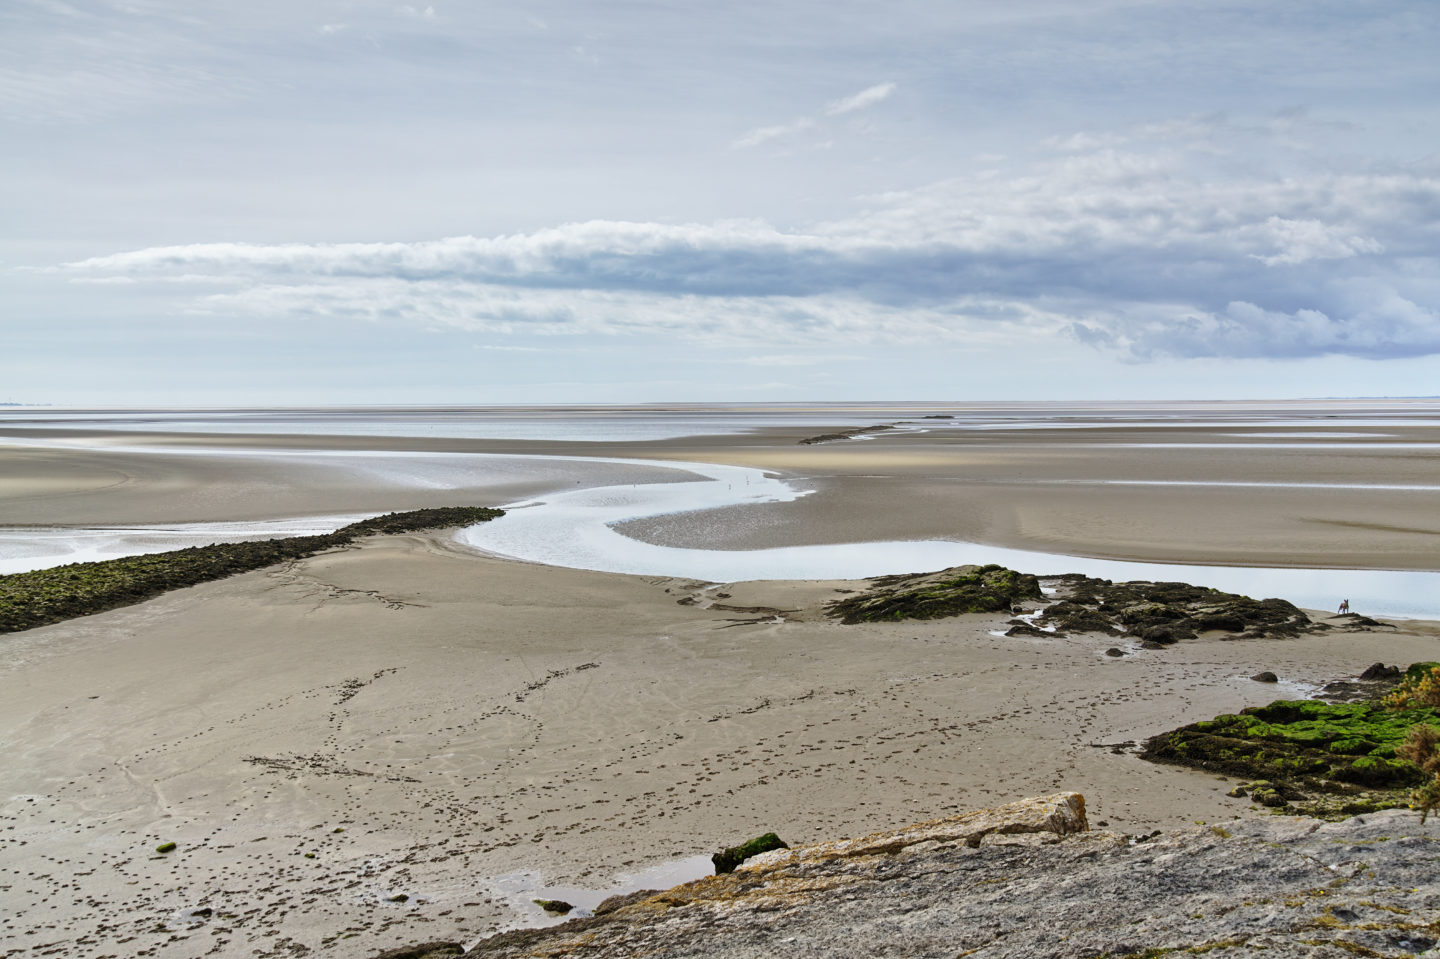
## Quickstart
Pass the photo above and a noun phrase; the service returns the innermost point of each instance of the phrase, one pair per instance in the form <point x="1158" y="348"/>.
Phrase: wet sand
<point x="1048" y="490"/>
<point x="430" y="723"/>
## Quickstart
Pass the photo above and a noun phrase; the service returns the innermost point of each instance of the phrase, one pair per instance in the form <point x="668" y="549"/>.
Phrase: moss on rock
<point x="46" y="596"/>
<point x="950" y="592"/>
<point x="1324" y="759"/>
<point x="727" y="859"/>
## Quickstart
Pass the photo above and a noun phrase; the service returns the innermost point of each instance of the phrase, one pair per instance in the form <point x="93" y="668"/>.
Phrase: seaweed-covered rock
<point x="845" y="434"/>
<point x="47" y="596"/>
<point x="1165" y="613"/>
<point x="727" y="859"/>
<point x="1320" y="758"/>
<point x="950" y="592"/>
<point x="1075" y="618"/>
<point x="557" y="906"/>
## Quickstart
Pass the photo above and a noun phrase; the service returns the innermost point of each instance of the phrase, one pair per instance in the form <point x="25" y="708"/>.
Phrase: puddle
<point x="518" y="891"/>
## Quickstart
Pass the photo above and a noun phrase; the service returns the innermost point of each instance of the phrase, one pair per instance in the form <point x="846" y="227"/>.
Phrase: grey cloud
<point x="1124" y="251"/>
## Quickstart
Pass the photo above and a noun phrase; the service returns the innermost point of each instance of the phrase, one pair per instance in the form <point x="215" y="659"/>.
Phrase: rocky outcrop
<point x="950" y="592"/>
<point x="1028" y="880"/>
<point x="1326" y="759"/>
<point x="1164" y="613"/>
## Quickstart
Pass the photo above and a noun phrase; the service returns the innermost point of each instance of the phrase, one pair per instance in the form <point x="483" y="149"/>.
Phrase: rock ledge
<point x="1029" y="880"/>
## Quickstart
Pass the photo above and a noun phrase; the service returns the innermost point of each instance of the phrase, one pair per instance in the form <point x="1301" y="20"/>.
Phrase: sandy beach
<point x="410" y="719"/>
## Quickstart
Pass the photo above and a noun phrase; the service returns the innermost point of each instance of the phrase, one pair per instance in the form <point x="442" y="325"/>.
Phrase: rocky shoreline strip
<point x="846" y="435"/>
<point x="1152" y="614"/>
<point x="46" y="596"/>
<point x="1030" y="879"/>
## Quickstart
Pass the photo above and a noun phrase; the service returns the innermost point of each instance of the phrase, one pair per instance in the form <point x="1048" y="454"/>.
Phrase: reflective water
<point x="25" y="548"/>
<point x="575" y="529"/>
<point x="519" y="890"/>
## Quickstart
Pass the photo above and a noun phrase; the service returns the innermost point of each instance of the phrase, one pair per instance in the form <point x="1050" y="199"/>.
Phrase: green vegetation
<point x="1421" y="687"/>
<point x="47" y="596"/>
<point x="557" y="906"/>
<point x="726" y="860"/>
<point x="165" y="847"/>
<point x="1323" y="759"/>
<point x="950" y="592"/>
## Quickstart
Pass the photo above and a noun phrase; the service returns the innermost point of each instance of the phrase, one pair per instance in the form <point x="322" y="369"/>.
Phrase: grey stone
<point x="1020" y="883"/>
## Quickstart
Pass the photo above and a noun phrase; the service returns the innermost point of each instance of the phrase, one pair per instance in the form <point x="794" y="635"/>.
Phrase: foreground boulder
<point x="1028" y="880"/>
<point x="727" y="859"/>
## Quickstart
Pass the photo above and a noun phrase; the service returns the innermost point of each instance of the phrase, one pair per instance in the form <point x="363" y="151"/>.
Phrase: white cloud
<point x="860" y="101"/>
<point x="761" y="135"/>
<point x="1300" y="240"/>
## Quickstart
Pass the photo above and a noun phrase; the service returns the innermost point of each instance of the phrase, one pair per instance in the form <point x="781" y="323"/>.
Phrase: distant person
<point x="1344" y="606"/>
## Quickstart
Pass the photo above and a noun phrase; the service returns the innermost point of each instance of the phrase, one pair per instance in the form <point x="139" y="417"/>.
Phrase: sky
<point x="528" y="201"/>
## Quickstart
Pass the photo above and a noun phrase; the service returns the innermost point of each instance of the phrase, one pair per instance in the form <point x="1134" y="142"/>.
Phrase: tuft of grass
<point x="46" y="596"/>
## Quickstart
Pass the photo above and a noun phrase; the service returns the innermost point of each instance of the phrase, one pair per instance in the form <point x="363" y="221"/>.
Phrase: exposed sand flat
<point x="1045" y="489"/>
<point x="463" y="719"/>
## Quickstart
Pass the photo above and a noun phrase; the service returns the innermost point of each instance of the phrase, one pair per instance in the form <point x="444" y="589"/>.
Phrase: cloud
<point x="797" y="359"/>
<point x="864" y="99"/>
<point x="1300" y="240"/>
<point x="860" y="101"/>
<point x="761" y="135"/>
<point x="1140" y="253"/>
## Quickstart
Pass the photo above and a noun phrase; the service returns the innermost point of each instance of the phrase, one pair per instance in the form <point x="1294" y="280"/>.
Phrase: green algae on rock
<point x="727" y="859"/>
<point x="950" y="592"/>
<point x="1303" y="756"/>
<point x="47" y="596"/>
